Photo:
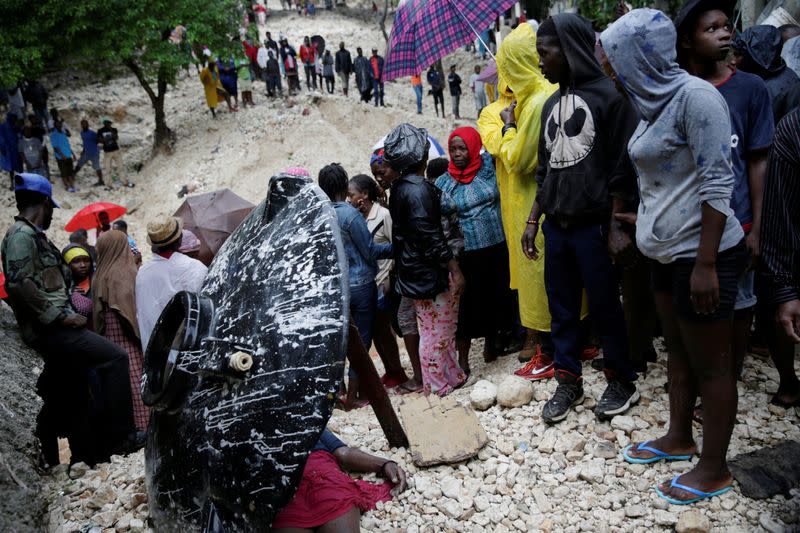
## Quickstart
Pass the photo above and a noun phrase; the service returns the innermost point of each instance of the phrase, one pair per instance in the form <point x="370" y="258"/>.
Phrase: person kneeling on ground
<point x="328" y="500"/>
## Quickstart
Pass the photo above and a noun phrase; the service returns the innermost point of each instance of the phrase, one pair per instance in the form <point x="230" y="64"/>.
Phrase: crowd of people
<point x="24" y="147"/>
<point x="625" y="185"/>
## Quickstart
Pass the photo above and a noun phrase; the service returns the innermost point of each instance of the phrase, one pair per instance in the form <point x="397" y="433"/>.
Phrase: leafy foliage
<point x="102" y="35"/>
<point x="601" y="12"/>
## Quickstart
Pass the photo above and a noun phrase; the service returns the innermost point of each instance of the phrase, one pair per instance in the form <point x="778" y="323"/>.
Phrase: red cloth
<point x="165" y="255"/>
<point x="308" y="54"/>
<point x="250" y="51"/>
<point x="376" y="73"/>
<point x="326" y="493"/>
<point x="472" y="139"/>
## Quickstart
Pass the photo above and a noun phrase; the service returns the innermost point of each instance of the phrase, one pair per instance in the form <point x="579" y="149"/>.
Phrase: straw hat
<point x="164" y="231"/>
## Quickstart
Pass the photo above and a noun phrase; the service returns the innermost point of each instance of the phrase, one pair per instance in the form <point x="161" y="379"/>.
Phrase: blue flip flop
<point x="659" y="455"/>
<point x="699" y="493"/>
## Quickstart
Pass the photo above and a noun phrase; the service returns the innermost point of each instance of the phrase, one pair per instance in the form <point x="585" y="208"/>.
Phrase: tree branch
<point x="137" y="71"/>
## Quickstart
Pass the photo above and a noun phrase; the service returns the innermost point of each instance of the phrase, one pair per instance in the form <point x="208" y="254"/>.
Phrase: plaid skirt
<point x="116" y="334"/>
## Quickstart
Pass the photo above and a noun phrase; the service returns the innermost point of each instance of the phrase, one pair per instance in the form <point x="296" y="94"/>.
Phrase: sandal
<point x="699" y="493"/>
<point x="405" y="388"/>
<point x="659" y="455"/>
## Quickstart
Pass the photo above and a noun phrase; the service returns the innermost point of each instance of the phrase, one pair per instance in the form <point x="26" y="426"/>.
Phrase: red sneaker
<point x="590" y="352"/>
<point x="539" y="367"/>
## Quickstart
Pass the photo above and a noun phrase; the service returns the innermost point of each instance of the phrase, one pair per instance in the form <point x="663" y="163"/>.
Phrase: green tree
<point x="103" y="35"/>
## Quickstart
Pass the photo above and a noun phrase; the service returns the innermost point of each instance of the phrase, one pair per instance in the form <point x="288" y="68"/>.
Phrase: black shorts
<point x="65" y="167"/>
<point x="675" y="277"/>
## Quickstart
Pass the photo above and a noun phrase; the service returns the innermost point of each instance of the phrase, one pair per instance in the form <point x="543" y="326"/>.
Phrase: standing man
<point x="436" y="81"/>
<point x="59" y="138"/>
<point x="166" y="274"/>
<point x="36" y="95"/>
<point x="478" y="90"/>
<point x="36" y="281"/>
<point x="363" y="75"/>
<point x="308" y="56"/>
<point x="376" y="64"/>
<point x="112" y="156"/>
<point x="289" y="59"/>
<point x="454" y="81"/>
<point x="271" y="44"/>
<point x="416" y="83"/>
<point x="583" y="180"/>
<point x="90" y="153"/>
<point x="344" y="66"/>
<point x="780" y="248"/>
<point x="32" y="152"/>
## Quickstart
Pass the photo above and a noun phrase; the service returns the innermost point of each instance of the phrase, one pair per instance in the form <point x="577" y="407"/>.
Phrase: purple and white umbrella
<point x="424" y="31"/>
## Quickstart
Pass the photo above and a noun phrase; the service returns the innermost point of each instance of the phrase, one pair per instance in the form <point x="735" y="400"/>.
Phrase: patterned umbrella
<point x="426" y="30"/>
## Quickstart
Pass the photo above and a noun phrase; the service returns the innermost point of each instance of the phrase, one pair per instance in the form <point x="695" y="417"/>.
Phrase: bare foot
<point x="664" y="444"/>
<point x="698" y="480"/>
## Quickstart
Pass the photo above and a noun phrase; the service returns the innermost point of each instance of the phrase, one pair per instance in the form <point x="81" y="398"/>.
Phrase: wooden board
<point x="441" y="430"/>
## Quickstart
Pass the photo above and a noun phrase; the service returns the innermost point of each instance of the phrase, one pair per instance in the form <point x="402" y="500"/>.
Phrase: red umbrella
<point x="86" y="218"/>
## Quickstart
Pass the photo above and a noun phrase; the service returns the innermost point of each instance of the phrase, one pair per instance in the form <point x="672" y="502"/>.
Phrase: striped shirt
<point x="477" y="204"/>
<point x="780" y="231"/>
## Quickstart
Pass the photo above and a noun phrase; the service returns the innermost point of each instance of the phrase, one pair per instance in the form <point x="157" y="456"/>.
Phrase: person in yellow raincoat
<point x="522" y="90"/>
<point x="212" y="86"/>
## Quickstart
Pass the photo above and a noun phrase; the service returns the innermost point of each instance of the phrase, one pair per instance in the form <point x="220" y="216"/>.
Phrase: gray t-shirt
<point x="32" y="149"/>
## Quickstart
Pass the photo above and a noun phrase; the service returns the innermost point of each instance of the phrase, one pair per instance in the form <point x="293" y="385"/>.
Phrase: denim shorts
<point x="746" y="297"/>
<point x="675" y="278"/>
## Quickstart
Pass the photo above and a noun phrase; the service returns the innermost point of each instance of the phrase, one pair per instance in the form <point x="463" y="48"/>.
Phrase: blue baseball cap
<point x="26" y="181"/>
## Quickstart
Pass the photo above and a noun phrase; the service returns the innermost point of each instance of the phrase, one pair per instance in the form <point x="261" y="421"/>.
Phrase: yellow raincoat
<point x="210" y="80"/>
<point x="516" y="159"/>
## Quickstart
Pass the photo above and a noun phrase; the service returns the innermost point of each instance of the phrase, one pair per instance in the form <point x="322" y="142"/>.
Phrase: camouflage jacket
<point x="28" y="254"/>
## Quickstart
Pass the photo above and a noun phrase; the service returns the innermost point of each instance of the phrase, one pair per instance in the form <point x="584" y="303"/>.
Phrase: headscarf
<point x="189" y="242"/>
<point x="73" y="252"/>
<point x="405" y="146"/>
<point x="376" y="157"/>
<point x="641" y="48"/>
<point x="297" y="171"/>
<point x="114" y="282"/>
<point x="472" y="139"/>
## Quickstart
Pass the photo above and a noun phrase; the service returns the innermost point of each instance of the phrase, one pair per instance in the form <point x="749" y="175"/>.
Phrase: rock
<point x="664" y="518"/>
<point x="771" y="524"/>
<point x="505" y="446"/>
<point x="548" y="441"/>
<point x="693" y="522"/>
<point x="481" y="503"/>
<point x="452" y="487"/>
<point x="542" y="501"/>
<point x="514" y="392"/>
<point x="78" y="470"/>
<point x="623" y="423"/>
<point x="450" y="507"/>
<point x="635" y="511"/>
<point x="604" y="450"/>
<point x="591" y="472"/>
<point x="483" y="395"/>
<point x="768" y="471"/>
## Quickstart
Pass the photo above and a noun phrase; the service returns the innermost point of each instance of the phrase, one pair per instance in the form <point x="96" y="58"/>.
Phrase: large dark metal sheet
<point x="226" y="448"/>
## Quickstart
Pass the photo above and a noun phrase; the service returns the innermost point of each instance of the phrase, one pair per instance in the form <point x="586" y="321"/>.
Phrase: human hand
<point x="788" y="316"/>
<point x="704" y="288"/>
<point x="457" y="282"/>
<point x="395" y="474"/>
<point x="754" y="247"/>
<point x="507" y="114"/>
<point x="529" y="241"/>
<point x="74" y="321"/>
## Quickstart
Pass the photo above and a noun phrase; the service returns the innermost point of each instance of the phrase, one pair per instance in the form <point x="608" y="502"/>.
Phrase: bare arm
<point x="756" y="173"/>
<point x="355" y="460"/>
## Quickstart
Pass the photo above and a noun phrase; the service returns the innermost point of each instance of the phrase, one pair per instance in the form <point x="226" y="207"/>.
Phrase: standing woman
<point x="427" y="271"/>
<point x="363" y="194"/>
<point x="114" y="310"/>
<point x="486" y="308"/>
<point x="681" y="151"/>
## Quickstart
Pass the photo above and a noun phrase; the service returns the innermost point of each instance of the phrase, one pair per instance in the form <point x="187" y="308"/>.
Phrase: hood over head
<point x="405" y="147"/>
<point x="577" y="42"/>
<point x="762" y="45"/>
<point x="640" y="47"/>
<point x="518" y="64"/>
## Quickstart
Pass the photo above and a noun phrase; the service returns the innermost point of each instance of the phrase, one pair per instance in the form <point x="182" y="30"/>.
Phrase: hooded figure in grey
<point x="760" y="48"/>
<point x="681" y="149"/>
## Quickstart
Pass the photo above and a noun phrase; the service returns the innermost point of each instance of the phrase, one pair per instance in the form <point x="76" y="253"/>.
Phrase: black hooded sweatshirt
<point x="583" y="146"/>
<point x="761" y="47"/>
